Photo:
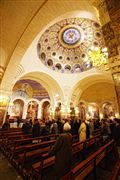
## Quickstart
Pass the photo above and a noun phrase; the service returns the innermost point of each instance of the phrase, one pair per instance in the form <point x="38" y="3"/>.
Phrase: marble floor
<point x="7" y="172"/>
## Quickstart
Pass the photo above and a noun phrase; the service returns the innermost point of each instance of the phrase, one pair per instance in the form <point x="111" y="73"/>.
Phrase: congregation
<point x="67" y="129"/>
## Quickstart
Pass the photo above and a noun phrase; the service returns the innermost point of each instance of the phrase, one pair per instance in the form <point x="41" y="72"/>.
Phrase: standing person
<point x="104" y="130"/>
<point x="26" y="127"/>
<point x="117" y="131"/>
<point x="87" y="129"/>
<point x="60" y="126"/>
<point x="6" y="125"/>
<point x="18" y="121"/>
<point x="36" y="128"/>
<point x="54" y="127"/>
<point x="82" y="131"/>
<point x="63" y="152"/>
<point x="91" y="127"/>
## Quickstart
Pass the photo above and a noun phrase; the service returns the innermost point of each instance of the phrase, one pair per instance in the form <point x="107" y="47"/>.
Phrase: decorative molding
<point x="20" y="70"/>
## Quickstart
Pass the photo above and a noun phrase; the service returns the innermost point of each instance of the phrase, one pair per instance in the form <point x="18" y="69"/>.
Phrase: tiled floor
<point x="7" y="172"/>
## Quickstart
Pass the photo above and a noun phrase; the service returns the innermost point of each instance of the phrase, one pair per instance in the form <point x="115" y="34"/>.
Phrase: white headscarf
<point x="66" y="127"/>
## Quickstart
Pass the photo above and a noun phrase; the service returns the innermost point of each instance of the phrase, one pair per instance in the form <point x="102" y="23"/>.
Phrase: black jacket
<point x="63" y="154"/>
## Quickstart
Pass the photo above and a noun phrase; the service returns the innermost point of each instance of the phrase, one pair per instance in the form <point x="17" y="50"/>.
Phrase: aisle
<point x="7" y="172"/>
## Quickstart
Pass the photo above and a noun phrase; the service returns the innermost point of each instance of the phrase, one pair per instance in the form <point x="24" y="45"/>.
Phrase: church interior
<point x="59" y="63"/>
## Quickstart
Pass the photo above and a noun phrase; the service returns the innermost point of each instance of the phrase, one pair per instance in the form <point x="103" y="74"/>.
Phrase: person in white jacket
<point x="82" y="131"/>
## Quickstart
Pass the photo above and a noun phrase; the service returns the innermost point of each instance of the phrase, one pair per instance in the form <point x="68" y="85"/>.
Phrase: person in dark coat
<point x="18" y="121"/>
<point x="26" y="127"/>
<point x="6" y="125"/>
<point x="36" y="128"/>
<point x="63" y="152"/>
<point x="117" y="131"/>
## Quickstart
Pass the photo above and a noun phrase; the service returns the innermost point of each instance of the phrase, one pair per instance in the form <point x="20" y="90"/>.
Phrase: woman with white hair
<point x="63" y="152"/>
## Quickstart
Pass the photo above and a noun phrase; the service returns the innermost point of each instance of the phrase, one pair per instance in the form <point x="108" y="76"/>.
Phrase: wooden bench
<point x="8" y="142"/>
<point x="18" y="145"/>
<point x="77" y="147"/>
<point x="89" y="165"/>
<point x="116" y="170"/>
<point x="33" y="151"/>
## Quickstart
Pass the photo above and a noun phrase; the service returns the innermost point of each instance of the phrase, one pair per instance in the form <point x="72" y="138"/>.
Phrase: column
<point x="109" y="11"/>
<point x="4" y="103"/>
<point x="25" y="111"/>
<point x="39" y="116"/>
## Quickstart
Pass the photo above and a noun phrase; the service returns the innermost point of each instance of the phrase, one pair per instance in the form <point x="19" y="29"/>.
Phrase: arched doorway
<point x="45" y="110"/>
<point x="82" y="110"/>
<point x="17" y="108"/>
<point x="58" y="111"/>
<point x="108" y="110"/>
<point x="32" y="110"/>
<point x="93" y="111"/>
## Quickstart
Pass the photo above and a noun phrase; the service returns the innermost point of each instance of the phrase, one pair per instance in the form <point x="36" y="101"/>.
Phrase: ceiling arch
<point x="51" y="86"/>
<point x="86" y="82"/>
<point x="45" y="14"/>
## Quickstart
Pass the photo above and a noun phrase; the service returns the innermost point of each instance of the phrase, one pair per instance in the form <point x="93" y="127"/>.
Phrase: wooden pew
<point x="48" y="161"/>
<point x="8" y="142"/>
<point x="18" y="145"/>
<point x="33" y="151"/>
<point x="116" y="170"/>
<point x="87" y="166"/>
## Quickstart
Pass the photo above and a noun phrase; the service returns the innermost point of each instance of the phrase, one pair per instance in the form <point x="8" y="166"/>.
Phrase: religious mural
<point x="58" y="111"/>
<point x="17" y="108"/>
<point x="108" y="110"/>
<point x="93" y="111"/>
<point x="32" y="110"/>
<point x="82" y="110"/>
<point x="45" y="110"/>
<point x="72" y="111"/>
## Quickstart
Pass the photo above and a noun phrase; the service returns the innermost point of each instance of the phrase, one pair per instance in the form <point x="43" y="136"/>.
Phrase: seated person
<point x="36" y="128"/>
<point x="26" y="127"/>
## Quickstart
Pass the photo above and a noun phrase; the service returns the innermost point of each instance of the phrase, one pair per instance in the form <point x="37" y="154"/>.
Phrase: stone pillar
<point x="4" y="103"/>
<point x="25" y="111"/>
<point x="39" y="116"/>
<point x="109" y="11"/>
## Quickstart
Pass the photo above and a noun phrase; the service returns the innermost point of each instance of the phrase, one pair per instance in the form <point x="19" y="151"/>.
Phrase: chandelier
<point x="98" y="56"/>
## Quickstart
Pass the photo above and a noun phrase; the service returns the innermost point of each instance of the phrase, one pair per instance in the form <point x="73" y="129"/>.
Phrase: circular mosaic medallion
<point x="71" y="36"/>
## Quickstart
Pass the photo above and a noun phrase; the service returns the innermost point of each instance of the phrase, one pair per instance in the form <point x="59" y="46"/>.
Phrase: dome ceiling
<point x="64" y="46"/>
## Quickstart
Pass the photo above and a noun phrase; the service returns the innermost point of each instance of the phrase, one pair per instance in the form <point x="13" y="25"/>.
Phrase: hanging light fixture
<point x="98" y="56"/>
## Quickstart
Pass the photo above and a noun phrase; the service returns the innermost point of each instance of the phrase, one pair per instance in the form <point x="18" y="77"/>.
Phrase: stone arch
<point x="45" y="114"/>
<point x="34" y="110"/>
<point x="48" y="82"/>
<point x="108" y="109"/>
<point x="16" y="107"/>
<point x="34" y="26"/>
<point x="86" y="82"/>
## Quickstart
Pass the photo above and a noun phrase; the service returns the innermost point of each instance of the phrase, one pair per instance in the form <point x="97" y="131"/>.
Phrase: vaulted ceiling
<point x="15" y="18"/>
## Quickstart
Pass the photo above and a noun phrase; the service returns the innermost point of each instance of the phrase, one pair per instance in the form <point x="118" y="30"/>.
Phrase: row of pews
<point x="30" y="158"/>
<point x="89" y="165"/>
